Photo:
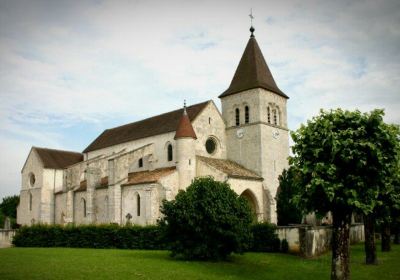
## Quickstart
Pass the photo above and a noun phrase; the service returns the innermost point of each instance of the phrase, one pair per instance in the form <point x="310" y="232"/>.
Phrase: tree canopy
<point x="207" y="221"/>
<point x="345" y="160"/>
<point x="287" y="211"/>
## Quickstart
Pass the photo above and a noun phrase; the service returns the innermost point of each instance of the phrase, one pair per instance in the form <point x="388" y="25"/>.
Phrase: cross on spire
<point x="251" y="22"/>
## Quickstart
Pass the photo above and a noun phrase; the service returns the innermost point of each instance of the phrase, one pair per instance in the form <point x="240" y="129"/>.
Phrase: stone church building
<point x="127" y="171"/>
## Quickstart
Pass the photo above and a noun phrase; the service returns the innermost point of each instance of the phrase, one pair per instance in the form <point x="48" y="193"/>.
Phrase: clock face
<point x="275" y="134"/>
<point x="240" y="133"/>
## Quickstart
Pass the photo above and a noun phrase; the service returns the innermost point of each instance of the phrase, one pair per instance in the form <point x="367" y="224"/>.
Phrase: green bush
<point x="264" y="238"/>
<point x="91" y="236"/>
<point x="208" y="221"/>
<point x="284" y="246"/>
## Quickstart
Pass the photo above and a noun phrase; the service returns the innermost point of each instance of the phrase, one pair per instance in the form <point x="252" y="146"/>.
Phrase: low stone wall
<point x="312" y="241"/>
<point x="6" y="236"/>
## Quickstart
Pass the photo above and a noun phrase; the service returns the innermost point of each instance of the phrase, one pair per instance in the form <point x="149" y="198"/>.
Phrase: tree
<point x="387" y="213"/>
<point x="207" y="221"/>
<point x="342" y="158"/>
<point x="9" y="206"/>
<point x="287" y="211"/>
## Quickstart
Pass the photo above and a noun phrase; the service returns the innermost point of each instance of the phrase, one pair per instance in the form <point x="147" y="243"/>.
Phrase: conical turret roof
<point x="185" y="128"/>
<point x="252" y="72"/>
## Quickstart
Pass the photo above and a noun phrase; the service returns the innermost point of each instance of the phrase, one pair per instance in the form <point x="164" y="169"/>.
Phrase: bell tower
<point x="254" y="111"/>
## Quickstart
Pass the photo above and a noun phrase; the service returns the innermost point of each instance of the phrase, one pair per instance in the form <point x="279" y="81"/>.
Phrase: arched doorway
<point x="251" y="199"/>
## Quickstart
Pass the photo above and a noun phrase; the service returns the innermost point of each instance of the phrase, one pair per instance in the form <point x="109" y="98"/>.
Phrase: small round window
<point x="210" y="145"/>
<point x="32" y="179"/>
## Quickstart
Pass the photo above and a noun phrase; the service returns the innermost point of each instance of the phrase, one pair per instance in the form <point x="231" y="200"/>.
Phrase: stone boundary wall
<point x="313" y="241"/>
<point x="6" y="236"/>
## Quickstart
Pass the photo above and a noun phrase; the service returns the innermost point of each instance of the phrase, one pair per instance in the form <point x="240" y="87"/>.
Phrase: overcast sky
<point x="70" y="69"/>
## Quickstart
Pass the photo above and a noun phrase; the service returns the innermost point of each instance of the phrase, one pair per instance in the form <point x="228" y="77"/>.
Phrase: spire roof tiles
<point x="252" y="72"/>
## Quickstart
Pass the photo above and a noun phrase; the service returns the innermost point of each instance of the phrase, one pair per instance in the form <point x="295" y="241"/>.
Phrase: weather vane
<point x="251" y="21"/>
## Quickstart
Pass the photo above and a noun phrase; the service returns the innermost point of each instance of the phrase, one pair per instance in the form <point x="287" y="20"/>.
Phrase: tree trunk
<point x="369" y="245"/>
<point x="396" y="234"/>
<point x="385" y="233"/>
<point x="340" y="269"/>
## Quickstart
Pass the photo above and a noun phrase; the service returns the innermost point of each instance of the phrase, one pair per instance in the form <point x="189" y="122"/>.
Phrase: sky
<point x="70" y="69"/>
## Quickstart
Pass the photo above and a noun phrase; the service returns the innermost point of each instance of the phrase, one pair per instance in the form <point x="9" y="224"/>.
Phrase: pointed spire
<point x="185" y="128"/>
<point x="252" y="71"/>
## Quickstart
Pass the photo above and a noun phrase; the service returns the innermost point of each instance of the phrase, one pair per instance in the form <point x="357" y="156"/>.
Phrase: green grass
<point x="67" y="263"/>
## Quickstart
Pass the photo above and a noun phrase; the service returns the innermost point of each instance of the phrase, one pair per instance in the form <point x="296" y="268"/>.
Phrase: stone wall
<point x="6" y="236"/>
<point x="313" y="241"/>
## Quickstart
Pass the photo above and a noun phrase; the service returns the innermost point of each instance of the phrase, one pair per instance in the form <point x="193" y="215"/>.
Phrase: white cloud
<point x="64" y="64"/>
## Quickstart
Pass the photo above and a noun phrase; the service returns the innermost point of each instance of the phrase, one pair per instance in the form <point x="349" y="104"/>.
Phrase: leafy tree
<point x="287" y="211"/>
<point x="342" y="158"/>
<point x="9" y="206"/>
<point x="387" y="213"/>
<point x="207" y="221"/>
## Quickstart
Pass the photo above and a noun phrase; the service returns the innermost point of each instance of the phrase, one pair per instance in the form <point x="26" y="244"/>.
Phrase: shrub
<point x="91" y="236"/>
<point x="285" y="208"/>
<point x="284" y="246"/>
<point x="207" y="221"/>
<point x="264" y="238"/>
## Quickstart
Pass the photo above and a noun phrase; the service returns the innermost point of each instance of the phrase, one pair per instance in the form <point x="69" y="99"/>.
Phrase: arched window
<point x="84" y="207"/>
<point x="269" y="114"/>
<point x="140" y="162"/>
<point x="275" y="117"/>
<point x="106" y="208"/>
<point x="138" y="205"/>
<point x="30" y="202"/>
<point x="170" y="153"/>
<point x="237" y="116"/>
<point x="246" y="114"/>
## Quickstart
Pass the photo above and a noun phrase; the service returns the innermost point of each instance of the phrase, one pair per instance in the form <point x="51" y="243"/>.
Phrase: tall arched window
<point x="138" y="205"/>
<point x="140" y="162"/>
<point x="106" y="208"/>
<point x="269" y="114"/>
<point x="237" y="116"/>
<point x="170" y="153"/>
<point x="30" y="202"/>
<point x="275" y="117"/>
<point x="84" y="207"/>
<point x="246" y="114"/>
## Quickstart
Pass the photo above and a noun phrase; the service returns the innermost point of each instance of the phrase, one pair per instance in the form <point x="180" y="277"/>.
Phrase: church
<point x="127" y="171"/>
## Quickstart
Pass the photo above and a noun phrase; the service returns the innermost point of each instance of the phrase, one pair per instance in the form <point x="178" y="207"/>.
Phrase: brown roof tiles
<point x="232" y="169"/>
<point x="146" y="177"/>
<point x="185" y="128"/>
<point x="160" y="124"/>
<point x="252" y="72"/>
<point x="57" y="159"/>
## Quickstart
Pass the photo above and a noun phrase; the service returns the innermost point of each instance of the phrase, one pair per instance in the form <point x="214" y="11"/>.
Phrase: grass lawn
<point x="67" y="263"/>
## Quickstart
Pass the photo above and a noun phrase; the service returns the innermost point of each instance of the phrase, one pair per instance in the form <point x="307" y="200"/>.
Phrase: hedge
<point x="264" y="238"/>
<point x="123" y="237"/>
<point x="91" y="236"/>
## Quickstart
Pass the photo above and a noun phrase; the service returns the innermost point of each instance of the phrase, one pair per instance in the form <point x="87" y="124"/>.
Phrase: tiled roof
<point x="146" y="177"/>
<point x="232" y="169"/>
<point x="83" y="184"/>
<point x="160" y="124"/>
<point x="185" y="128"/>
<point x="57" y="159"/>
<point x="252" y="72"/>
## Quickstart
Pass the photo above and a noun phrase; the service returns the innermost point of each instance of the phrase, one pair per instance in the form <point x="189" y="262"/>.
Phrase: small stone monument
<point x="7" y="223"/>
<point x="128" y="218"/>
